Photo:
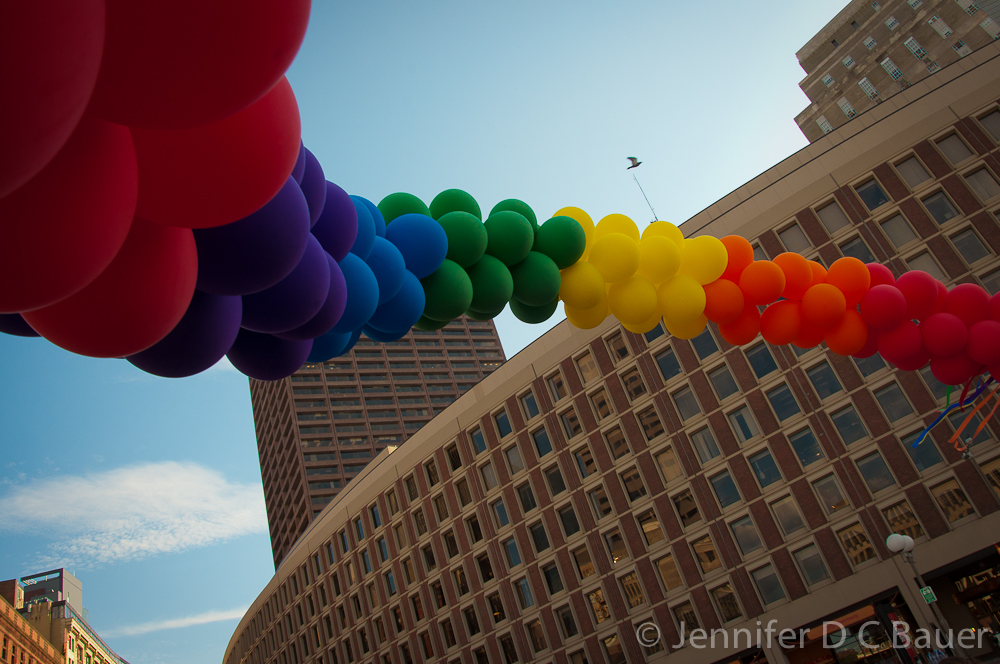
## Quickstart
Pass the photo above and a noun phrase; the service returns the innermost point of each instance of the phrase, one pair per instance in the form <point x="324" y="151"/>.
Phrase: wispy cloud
<point x="132" y="512"/>
<point x="175" y="623"/>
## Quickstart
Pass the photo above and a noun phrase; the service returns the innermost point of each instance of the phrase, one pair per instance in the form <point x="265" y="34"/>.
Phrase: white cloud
<point x="175" y="623"/>
<point x="132" y="513"/>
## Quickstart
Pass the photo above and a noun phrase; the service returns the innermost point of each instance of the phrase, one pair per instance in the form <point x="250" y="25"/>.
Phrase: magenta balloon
<point x="984" y="342"/>
<point x="944" y="334"/>
<point x="995" y="307"/>
<point x="265" y="357"/>
<point x="879" y="274"/>
<point x="329" y="314"/>
<point x="902" y="342"/>
<point x="955" y="370"/>
<point x="294" y="300"/>
<point x="921" y="291"/>
<point x="969" y="302"/>
<point x="202" y="337"/>
<point x="337" y="226"/>
<point x="258" y="251"/>
<point x="870" y="347"/>
<point x="16" y="325"/>
<point x="314" y="187"/>
<point x="883" y="307"/>
<point x="914" y="362"/>
<point x="300" y="164"/>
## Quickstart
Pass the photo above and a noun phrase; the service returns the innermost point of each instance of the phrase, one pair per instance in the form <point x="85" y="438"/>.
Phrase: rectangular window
<point x="564" y="615"/>
<point x="669" y="366"/>
<point x="471" y="620"/>
<point x="598" y="605"/>
<point x="650" y="527"/>
<point x="478" y="440"/>
<point x="833" y="217"/>
<point x="617" y="443"/>
<point x="915" y="48"/>
<point x="925" y="455"/>
<point x="527" y="498"/>
<point x="983" y="184"/>
<point x="555" y="481"/>
<point x="794" y="239"/>
<point x="441" y="508"/>
<point x="687" y="508"/>
<point x="538" y="537"/>
<point x="461" y="580"/>
<point x="890" y="68"/>
<point x="616" y="546"/>
<point x="600" y="502"/>
<point x="503" y="423"/>
<point x="669" y="573"/>
<point x="723" y="382"/>
<point x="827" y="80"/>
<point x="925" y="262"/>
<point x="894" y="404"/>
<point x="811" y="565"/>
<point x="870" y="42"/>
<point x="868" y="88"/>
<point x="489" y="476"/>
<point x="870" y="192"/>
<point x="513" y="555"/>
<point x="786" y="513"/>
<point x="891" y="23"/>
<point x="970" y="247"/>
<point x="500" y="513"/>
<point x="542" y="443"/>
<point x="783" y="402"/>
<point x="571" y="423"/>
<point x="725" y="489"/>
<point x="991" y="121"/>
<point x="687" y="619"/>
<point x="585" y="462"/>
<point x="764" y="468"/>
<point x="806" y="447"/>
<point x="687" y="404"/>
<point x="633" y="484"/>
<point x="746" y="535"/>
<point x="824" y="124"/>
<point x="846" y="107"/>
<point x="952" y="501"/>
<point x="454" y="458"/>
<point x="743" y="424"/>
<point x="602" y="406"/>
<point x="856" y="544"/>
<point x="584" y="565"/>
<point x="857" y="248"/>
<point x="898" y="230"/>
<point x="632" y="590"/>
<point x="529" y="405"/>
<point x="588" y="367"/>
<point x="704" y="444"/>
<point x="849" y="425"/>
<point x="954" y="148"/>
<point x="669" y="466"/>
<point x="875" y="472"/>
<point x="496" y="608"/>
<point x="420" y="522"/>
<point x="830" y="494"/>
<point x="848" y="61"/>
<point x="570" y="524"/>
<point x="902" y="520"/>
<point x="633" y="383"/>
<point x="557" y="387"/>
<point x="704" y="344"/>
<point x="617" y="347"/>
<point x="761" y="360"/>
<point x="552" y="579"/>
<point x="650" y="422"/>
<point x="768" y="585"/>
<point x="464" y="495"/>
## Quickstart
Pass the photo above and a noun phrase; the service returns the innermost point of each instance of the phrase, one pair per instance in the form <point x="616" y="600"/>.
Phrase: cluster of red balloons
<point x="858" y="309"/>
<point x="125" y="126"/>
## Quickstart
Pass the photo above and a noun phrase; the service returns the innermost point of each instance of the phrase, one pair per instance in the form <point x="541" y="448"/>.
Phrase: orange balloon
<point x="810" y="335"/>
<point x="849" y="336"/>
<point x="823" y="305"/>
<point x="744" y="329"/>
<point x="740" y="255"/>
<point x="852" y="277"/>
<point x="819" y="273"/>
<point x="723" y="301"/>
<point x="762" y="282"/>
<point x="780" y="322"/>
<point x="798" y="274"/>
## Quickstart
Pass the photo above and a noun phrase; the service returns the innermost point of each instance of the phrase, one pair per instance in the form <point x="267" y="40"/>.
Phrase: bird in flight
<point x="635" y="162"/>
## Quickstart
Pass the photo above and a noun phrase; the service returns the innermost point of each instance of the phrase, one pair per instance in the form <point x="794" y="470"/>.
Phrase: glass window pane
<point x="970" y="246"/>
<point x="830" y="496"/>
<point x="588" y="367"/>
<point x="704" y="551"/>
<point x="824" y="380"/>
<point x="723" y="382"/>
<point x="634" y="385"/>
<point x="743" y="424"/>
<point x="600" y="502"/>
<point x="925" y="455"/>
<point x="849" y="425"/>
<point x="787" y="514"/>
<point x="704" y="444"/>
<point x="632" y="590"/>
<point x="617" y="443"/>
<point x="957" y="417"/>
<point x="857" y="248"/>
<point x="811" y="565"/>
<point x="585" y="462"/>
<point x="555" y="479"/>
<point x="871" y="194"/>
<point x="991" y="121"/>
<point x="669" y="573"/>
<point x="912" y="171"/>
<point x="669" y="465"/>
<point x="893" y="403"/>
<point x="654" y="334"/>
<point x="768" y="584"/>
<point x="951" y="498"/>
<point x="617" y="346"/>
<point x="704" y="344"/>
<point x="514" y="460"/>
<point x="686" y="617"/>
<point x="746" y="535"/>
<point x="669" y="366"/>
<point x="686" y="508"/>
<point x="542" y="444"/>
<point x="991" y="282"/>
<point x="725" y="599"/>
<point x="898" y="231"/>
<point x="649" y="524"/>
<point x="530" y="405"/>
<point x="783" y="402"/>
<point x="634" y="487"/>
<point x="856" y="544"/>
<point x="794" y="239"/>
<point x="571" y="423"/>
<point x="983" y="184"/>
<point x="875" y="472"/>
<point x="569" y="522"/>
<point x="954" y="149"/>
<point x="725" y="489"/>
<point x="687" y="405"/>
<point x="650" y="422"/>
<point x="764" y="468"/>
<point x="601" y="403"/>
<point x="761" y="360"/>
<point x="806" y="447"/>
<point x="902" y="520"/>
<point x="833" y="217"/>
<point x="940" y="207"/>
<point x="503" y="423"/>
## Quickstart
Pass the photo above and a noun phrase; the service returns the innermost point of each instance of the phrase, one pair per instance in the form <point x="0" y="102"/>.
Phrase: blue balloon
<point x="388" y="265"/>
<point x="337" y="225"/>
<point x="366" y="231"/>
<point x="376" y="215"/>
<point x="384" y="337"/>
<point x="362" y="294"/>
<point x="421" y="240"/>
<point x="329" y="345"/>
<point x="403" y="311"/>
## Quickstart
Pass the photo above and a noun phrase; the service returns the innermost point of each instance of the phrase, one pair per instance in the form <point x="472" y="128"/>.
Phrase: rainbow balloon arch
<point x="157" y="204"/>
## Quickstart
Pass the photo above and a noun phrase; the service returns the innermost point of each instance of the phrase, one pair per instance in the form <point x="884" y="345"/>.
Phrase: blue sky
<point x="148" y="489"/>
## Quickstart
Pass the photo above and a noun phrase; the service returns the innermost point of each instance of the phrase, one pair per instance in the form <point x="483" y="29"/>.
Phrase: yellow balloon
<point x="665" y="229"/>
<point x="582" y="285"/>
<point x="704" y="258"/>
<point x="645" y="326"/>
<point x="659" y="258"/>
<point x="681" y="300"/>
<point x="584" y="220"/>
<point x="586" y="319"/>
<point x="616" y="223"/>
<point x="687" y="330"/>
<point x="616" y="256"/>
<point x="633" y="301"/>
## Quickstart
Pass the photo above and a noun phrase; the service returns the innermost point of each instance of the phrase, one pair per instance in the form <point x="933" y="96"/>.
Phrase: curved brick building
<point x="601" y="482"/>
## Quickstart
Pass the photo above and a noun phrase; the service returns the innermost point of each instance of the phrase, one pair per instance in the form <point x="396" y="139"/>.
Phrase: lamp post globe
<point x="896" y="542"/>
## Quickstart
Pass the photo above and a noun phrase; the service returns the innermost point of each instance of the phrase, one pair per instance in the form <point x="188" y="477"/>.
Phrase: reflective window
<point x="925" y="455"/>
<point x="940" y="208"/>
<point x="912" y="172"/>
<point x="969" y="246"/>
<point x="687" y="405"/>
<point x="806" y="447"/>
<point x="649" y="524"/>
<point x="786" y="513"/>
<point x="893" y="403"/>
<point x="725" y="489"/>
<point x="764" y="468"/>
<point x="871" y="194"/>
<point x="704" y="344"/>
<point x="898" y="231"/>
<point x="588" y="367"/>
<point x="875" y="472"/>
<point x="856" y="544"/>
<point x="686" y="508"/>
<point x="744" y="424"/>
<point x="650" y="422"/>
<point x="708" y="557"/>
<point x="783" y="402"/>
<point x="669" y="466"/>
<point x="857" y="248"/>
<point x="824" y="380"/>
<point x="503" y="423"/>
<point x="669" y="366"/>
<point x="833" y="217"/>
<point x="634" y="385"/>
<point x="902" y="520"/>
<point x="954" y="148"/>
<point x="704" y="444"/>
<point x="634" y="487"/>
<point x="746" y="535"/>
<point x="811" y="565"/>
<point x="794" y="239"/>
<point x="725" y="600"/>
<point x="723" y="382"/>
<point x="570" y="423"/>
<point x="768" y="584"/>
<point x="849" y="425"/>
<point x="617" y="443"/>
<point x="830" y="496"/>
<point x="983" y="184"/>
<point x="669" y="574"/>
<point x="761" y="360"/>
<point x="952" y="500"/>
<point x="542" y="444"/>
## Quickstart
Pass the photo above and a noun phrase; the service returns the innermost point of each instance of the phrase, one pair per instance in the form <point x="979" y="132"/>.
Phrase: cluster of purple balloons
<point x="299" y="280"/>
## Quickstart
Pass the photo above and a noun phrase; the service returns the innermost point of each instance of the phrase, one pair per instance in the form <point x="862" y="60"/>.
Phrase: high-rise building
<point x="19" y="641"/>
<point x="318" y="428"/>
<point x="874" y="49"/>
<point x="603" y="494"/>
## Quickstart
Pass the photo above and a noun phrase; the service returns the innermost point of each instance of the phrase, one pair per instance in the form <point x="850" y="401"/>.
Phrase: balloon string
<point x="964" y="392"/>
<point x="945" y="411"/>
<point x="986" y="419"/>
<point x="947" y="400"/>
<point x="955" y="438"/>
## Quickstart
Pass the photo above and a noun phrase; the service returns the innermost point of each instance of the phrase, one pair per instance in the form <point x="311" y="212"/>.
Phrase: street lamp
<point x="904" y="544"/>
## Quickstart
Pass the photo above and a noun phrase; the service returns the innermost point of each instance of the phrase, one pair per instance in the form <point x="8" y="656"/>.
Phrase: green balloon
<point x="479" y="315"/>
<point x="466" y="237"/>
<point x="429" y="324"/>
<point x="455" y="200"/>
<point x="492" y="284"/>
<point x="514" y="205"/>
<point x="562" y="239"/>
<point x="536" y="280"/>
<point x="448" y="291"/>
<point x="510" y="237"/>
<point x="398" y="204"/>
<point x="533" y="315"/>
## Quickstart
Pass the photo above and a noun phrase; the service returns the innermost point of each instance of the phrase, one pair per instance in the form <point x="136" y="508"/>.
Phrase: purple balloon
<point x="295" y="299"/>
<point x="337" y="227"/>
<point x="16" y="325"/>
<point x="258" y="251"/>
<point x="264" y="357"/>
<point x="300" y="164"/>
<point x="202" y="337"/>
<point x="313" y="185"/>
<point x="329" y="314"/>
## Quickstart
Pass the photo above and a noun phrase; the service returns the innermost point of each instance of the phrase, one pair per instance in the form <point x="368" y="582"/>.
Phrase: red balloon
<point x="915" y="362"/>
<point x="942" y="297"/>
<point x="883" y="307"/>
<point x="744" y="329"/>
<point x="850" y="336"/>
<point x="216" y="174"/>
<point x="944" y="334"/>
<point x="762" y="282"/>
<point x="969" y="302"/>
<point x="63" y="228"/>
<point x="824" y="305"/>
<point x="955" y="370"/>
<point x="186" y="63"/>
<point x="723" y="301"/>
<point x="780" y="323"/>
<point x="921" y="293"/>
<point x="740" y="254"/>
<point x="870" y="347"/>
<point x="902" y="342"/>
<point x="984" y="342"/>
<point x="880" y="274"/>
<point x="810" y="335"/>
<point x="51" y="52"/>
<point x="134" y="303"/>
<point x="995" y="307"/>
<point x="995" y="372"/>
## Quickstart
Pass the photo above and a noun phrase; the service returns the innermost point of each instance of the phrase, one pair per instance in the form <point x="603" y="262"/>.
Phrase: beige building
<point x="603" y="495"/>
<point x="872" y="50"/>
<point x="19" y="641"/>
